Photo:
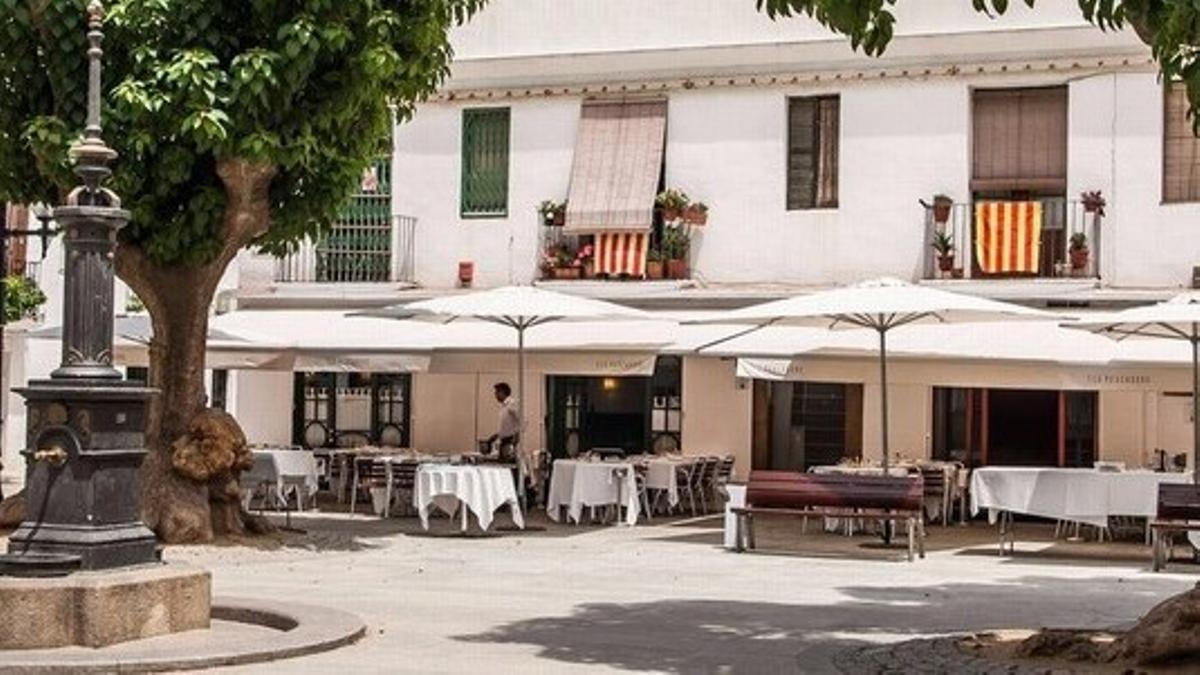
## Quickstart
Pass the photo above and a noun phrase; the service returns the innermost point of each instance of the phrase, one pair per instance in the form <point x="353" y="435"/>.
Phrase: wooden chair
<point x="369" y="472"/>
<point x="1178" y="512"/>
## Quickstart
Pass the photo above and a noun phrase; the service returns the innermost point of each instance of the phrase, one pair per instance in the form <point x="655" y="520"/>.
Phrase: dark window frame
<point x="471" y="118"/>
<point x="816" y="102"/>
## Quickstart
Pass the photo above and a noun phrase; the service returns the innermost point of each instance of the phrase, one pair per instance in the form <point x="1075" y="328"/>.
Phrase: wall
<point x="910" y="412"/>
<point x="447" y="419"/>
<point x="262" y="403"/>
<point x="717" y="411"/>
<point x="426" y="184"/>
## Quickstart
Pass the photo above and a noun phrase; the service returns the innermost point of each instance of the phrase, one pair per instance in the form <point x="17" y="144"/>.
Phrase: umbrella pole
<point x="1195" y="404"/>
<point x="520" y="411"/>
<point x="883" y="396"/>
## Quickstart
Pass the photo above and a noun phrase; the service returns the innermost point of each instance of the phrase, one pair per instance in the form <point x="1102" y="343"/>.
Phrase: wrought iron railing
<point x="354" y="252"/>
<point x="1062" y="220"/>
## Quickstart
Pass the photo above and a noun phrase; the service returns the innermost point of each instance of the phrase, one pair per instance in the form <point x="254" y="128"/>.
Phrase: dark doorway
<point x="799" y="425"/>
<point x="1022" y="427"/>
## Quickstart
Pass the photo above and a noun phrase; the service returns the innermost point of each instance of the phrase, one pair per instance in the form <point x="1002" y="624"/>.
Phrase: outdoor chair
<point x="369" y="473"/>
<point x="705" y="479"/>
<point x="935" y="493"/>
<point x="684" y="485"/>
<point x="639" y="477"/>
<point x="404" y="485"/>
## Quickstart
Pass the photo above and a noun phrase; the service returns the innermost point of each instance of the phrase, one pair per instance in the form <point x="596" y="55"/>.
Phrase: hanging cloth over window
<point x="622" y="253"/>
<point x="618" y="160"/>
<point x="1008" y="237"/>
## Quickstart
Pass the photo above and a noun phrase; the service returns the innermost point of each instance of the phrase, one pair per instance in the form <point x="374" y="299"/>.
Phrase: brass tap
<point x="54" y="456"/>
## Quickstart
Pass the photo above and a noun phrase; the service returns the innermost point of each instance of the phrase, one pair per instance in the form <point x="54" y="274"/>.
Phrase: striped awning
<point x="618" y="159"/>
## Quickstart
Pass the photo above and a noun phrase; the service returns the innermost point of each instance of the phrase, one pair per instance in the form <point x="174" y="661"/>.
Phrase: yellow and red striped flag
<point x="1008" y="237"/>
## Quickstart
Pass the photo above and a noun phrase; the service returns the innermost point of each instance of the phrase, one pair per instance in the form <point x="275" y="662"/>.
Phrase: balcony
<point x="354" y="252"/>
<point x="1069" y="244"/>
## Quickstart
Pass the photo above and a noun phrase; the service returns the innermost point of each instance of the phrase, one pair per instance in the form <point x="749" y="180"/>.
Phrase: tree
<point x="1170" y="28"/>
<point x="238" y="122"/>
<point x="22" y="297"/>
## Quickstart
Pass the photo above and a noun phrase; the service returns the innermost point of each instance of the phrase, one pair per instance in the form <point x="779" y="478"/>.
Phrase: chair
<point x="639" y="477"/>
<point x="404" y="484"/>
<point x="685" y="482"/>
<point x="934" y="478"/>
<point x="369" y="472"/>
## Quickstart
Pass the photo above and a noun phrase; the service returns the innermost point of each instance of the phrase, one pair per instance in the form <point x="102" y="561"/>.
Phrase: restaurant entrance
<point x="636" y="414"/>
<point x="799" y="425"/>
<point x="1014" y="427"/>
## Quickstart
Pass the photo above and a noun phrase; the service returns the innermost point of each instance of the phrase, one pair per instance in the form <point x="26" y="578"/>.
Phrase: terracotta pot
<point x="654" y="269"/>
<point x="558" y="218"/>
<point x="670" y="215"/>
<point x="677" y="269"/>
<point x="694" y="216"/>
<point x="941" y="210"/>
<point x="946" y="263"/>
<point x="466" y="273"/>
<point x="1079" y="258"/>
<point x="589" y="269"/>
<point x="568" y="272"/>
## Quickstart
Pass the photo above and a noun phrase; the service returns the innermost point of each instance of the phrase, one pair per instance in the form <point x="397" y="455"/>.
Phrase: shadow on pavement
<point x="711" y="636"/>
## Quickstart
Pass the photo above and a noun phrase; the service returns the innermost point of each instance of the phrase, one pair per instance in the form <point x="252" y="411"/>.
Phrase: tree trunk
<point x="177" y="503"/>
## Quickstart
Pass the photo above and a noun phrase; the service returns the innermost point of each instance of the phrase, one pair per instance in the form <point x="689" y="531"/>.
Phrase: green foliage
<point x="943" y="243"/>
<point x="676" y="242"/>
<point x="22" y="298"/>
<point x="304" y="85"/>
<point x="1170" y="27"/>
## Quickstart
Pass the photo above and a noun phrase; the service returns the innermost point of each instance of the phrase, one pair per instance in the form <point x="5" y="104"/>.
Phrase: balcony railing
<point x="1062" y="219"/>
<point x="354" y="253"/>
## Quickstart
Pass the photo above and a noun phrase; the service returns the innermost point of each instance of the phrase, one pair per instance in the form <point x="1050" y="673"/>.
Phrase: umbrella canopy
<point x="879" y="305"/>
<point x="1175" y="319"/>
<point x="518" y="307"/>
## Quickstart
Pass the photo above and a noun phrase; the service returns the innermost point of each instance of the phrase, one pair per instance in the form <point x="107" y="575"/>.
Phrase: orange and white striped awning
<point x="1008" y="237"/>
<point x="622" y="253"/>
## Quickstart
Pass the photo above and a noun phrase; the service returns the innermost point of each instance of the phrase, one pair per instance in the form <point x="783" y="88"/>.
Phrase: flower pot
<point x="677" y="269"/>
<point x="946" y="263"/>
<point x="1079" y="258"/>
<point x="589" y="269"/>
<point x="466" y="273"/>
<point x="670" y="215"/>
<point x="695" y="216"/>
<point x="558" y="218"/>
<point x="654" y="269"/>
<point x="941" y="210"/>
<point x="568" y="272"/>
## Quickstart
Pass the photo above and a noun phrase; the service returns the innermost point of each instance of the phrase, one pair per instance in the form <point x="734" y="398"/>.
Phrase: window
<point x="1019" y="141"/>
<point x="351" y="409"/>
<point x="812" y="173"/>
<point x="1181" y="149"/>
<point x="485" y="162"/>
<point x="220" y="389"/>
<point x="666" y="405"/>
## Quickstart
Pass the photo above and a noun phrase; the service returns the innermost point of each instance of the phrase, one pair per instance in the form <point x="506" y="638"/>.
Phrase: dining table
<point x="466" y="489"/>
<point x="579" y="483"/>
<point x="278" y="472"/>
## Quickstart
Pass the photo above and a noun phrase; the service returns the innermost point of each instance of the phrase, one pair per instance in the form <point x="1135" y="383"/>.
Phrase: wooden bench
<point x="850" y="496"/>
<point x="1178" y="512"/>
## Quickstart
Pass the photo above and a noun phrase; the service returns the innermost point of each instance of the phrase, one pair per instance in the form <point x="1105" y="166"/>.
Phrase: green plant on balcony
<point x="943" y="245"/>
<point x="1093" y="202"/>
<point x="671" y="203"/>
<point x="22" y="298"/>
<point x="553" y="213"/>
<point x="695" y="213"/>
<point x="676" y="245"/>
<point x="1079" y="251"/>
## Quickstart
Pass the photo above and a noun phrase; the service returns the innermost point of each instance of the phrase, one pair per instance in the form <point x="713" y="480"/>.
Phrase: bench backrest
<point x="1178" y="501"/>
<point x="792" y="490"/>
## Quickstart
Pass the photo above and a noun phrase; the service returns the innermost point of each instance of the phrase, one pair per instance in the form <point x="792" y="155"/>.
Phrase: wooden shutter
<point x="485" y="162"/>
<point x="813" y="136"/>
<point x="1181" y="149"/>
<point x="1020" y="140"/>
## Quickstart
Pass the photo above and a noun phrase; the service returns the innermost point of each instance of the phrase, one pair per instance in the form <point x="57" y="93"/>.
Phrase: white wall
<point x="261" y="401"/>
<point x="427" y="174"/>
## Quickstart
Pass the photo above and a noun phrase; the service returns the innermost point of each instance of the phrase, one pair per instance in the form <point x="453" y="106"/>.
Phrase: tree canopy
<point x="305" y="86"/>
<point x="1169" y="27"/>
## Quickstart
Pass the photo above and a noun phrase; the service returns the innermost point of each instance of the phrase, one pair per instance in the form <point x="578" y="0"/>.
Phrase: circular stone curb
<point x="295" y="630"/>
<point x="936" y="655"/>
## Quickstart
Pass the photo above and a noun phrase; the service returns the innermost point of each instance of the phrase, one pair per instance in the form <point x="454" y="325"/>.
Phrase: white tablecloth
<point x="1077" y="495"/>
<point x="576" y="484"/>
<point x="483" y="489"/>
<point x="282" y="469"/>
<point x="661" y="474"/>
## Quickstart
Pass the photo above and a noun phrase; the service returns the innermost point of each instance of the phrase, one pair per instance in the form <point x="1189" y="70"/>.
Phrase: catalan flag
<point x="622" y="253"/>
<point x="1008" y="237"/>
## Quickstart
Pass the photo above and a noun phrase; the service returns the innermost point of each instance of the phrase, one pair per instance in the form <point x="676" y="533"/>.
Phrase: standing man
<point x="508" y="429"/>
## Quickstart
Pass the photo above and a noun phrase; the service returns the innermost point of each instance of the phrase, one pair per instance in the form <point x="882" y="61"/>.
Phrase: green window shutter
<point x="485" y="162"/>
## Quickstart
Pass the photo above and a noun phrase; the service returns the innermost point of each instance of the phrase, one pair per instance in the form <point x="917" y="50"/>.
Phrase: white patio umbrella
<point x="517" y="307"/>
<point x="879" y="305"/>
<point x="1175" y="319"/>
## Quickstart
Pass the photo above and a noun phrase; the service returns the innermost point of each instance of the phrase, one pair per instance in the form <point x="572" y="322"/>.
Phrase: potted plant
<point x="553" y="214"/>
<point x="1079" y="251"/>
<point x="654" y="264"/>
<point x="941" y="208"/>
<point x="671" y="203"/>
<point x="696" y="213"/>
<point x="1093" y="202"/>
<point x="584" y="260"/>
<point x="676" y="245"/>
<point x="943" y="244"/>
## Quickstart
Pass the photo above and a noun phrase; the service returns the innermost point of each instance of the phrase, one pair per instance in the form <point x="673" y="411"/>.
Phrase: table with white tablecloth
<point x="1077" y="495"/>
<point x="662" y="474"/>
<point x="479" y="489"/>
<point x="575" y="484"/>
<point x="280" y="471"/>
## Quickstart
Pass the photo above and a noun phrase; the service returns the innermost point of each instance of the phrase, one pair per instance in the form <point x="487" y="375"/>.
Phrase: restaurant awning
<point x="618" y="159"/>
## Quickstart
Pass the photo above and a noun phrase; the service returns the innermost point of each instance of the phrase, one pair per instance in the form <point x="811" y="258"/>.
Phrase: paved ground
<point x="666" y="598"/>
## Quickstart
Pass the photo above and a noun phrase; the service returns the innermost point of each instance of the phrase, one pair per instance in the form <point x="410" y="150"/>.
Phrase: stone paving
<point x="667" y="598"/>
